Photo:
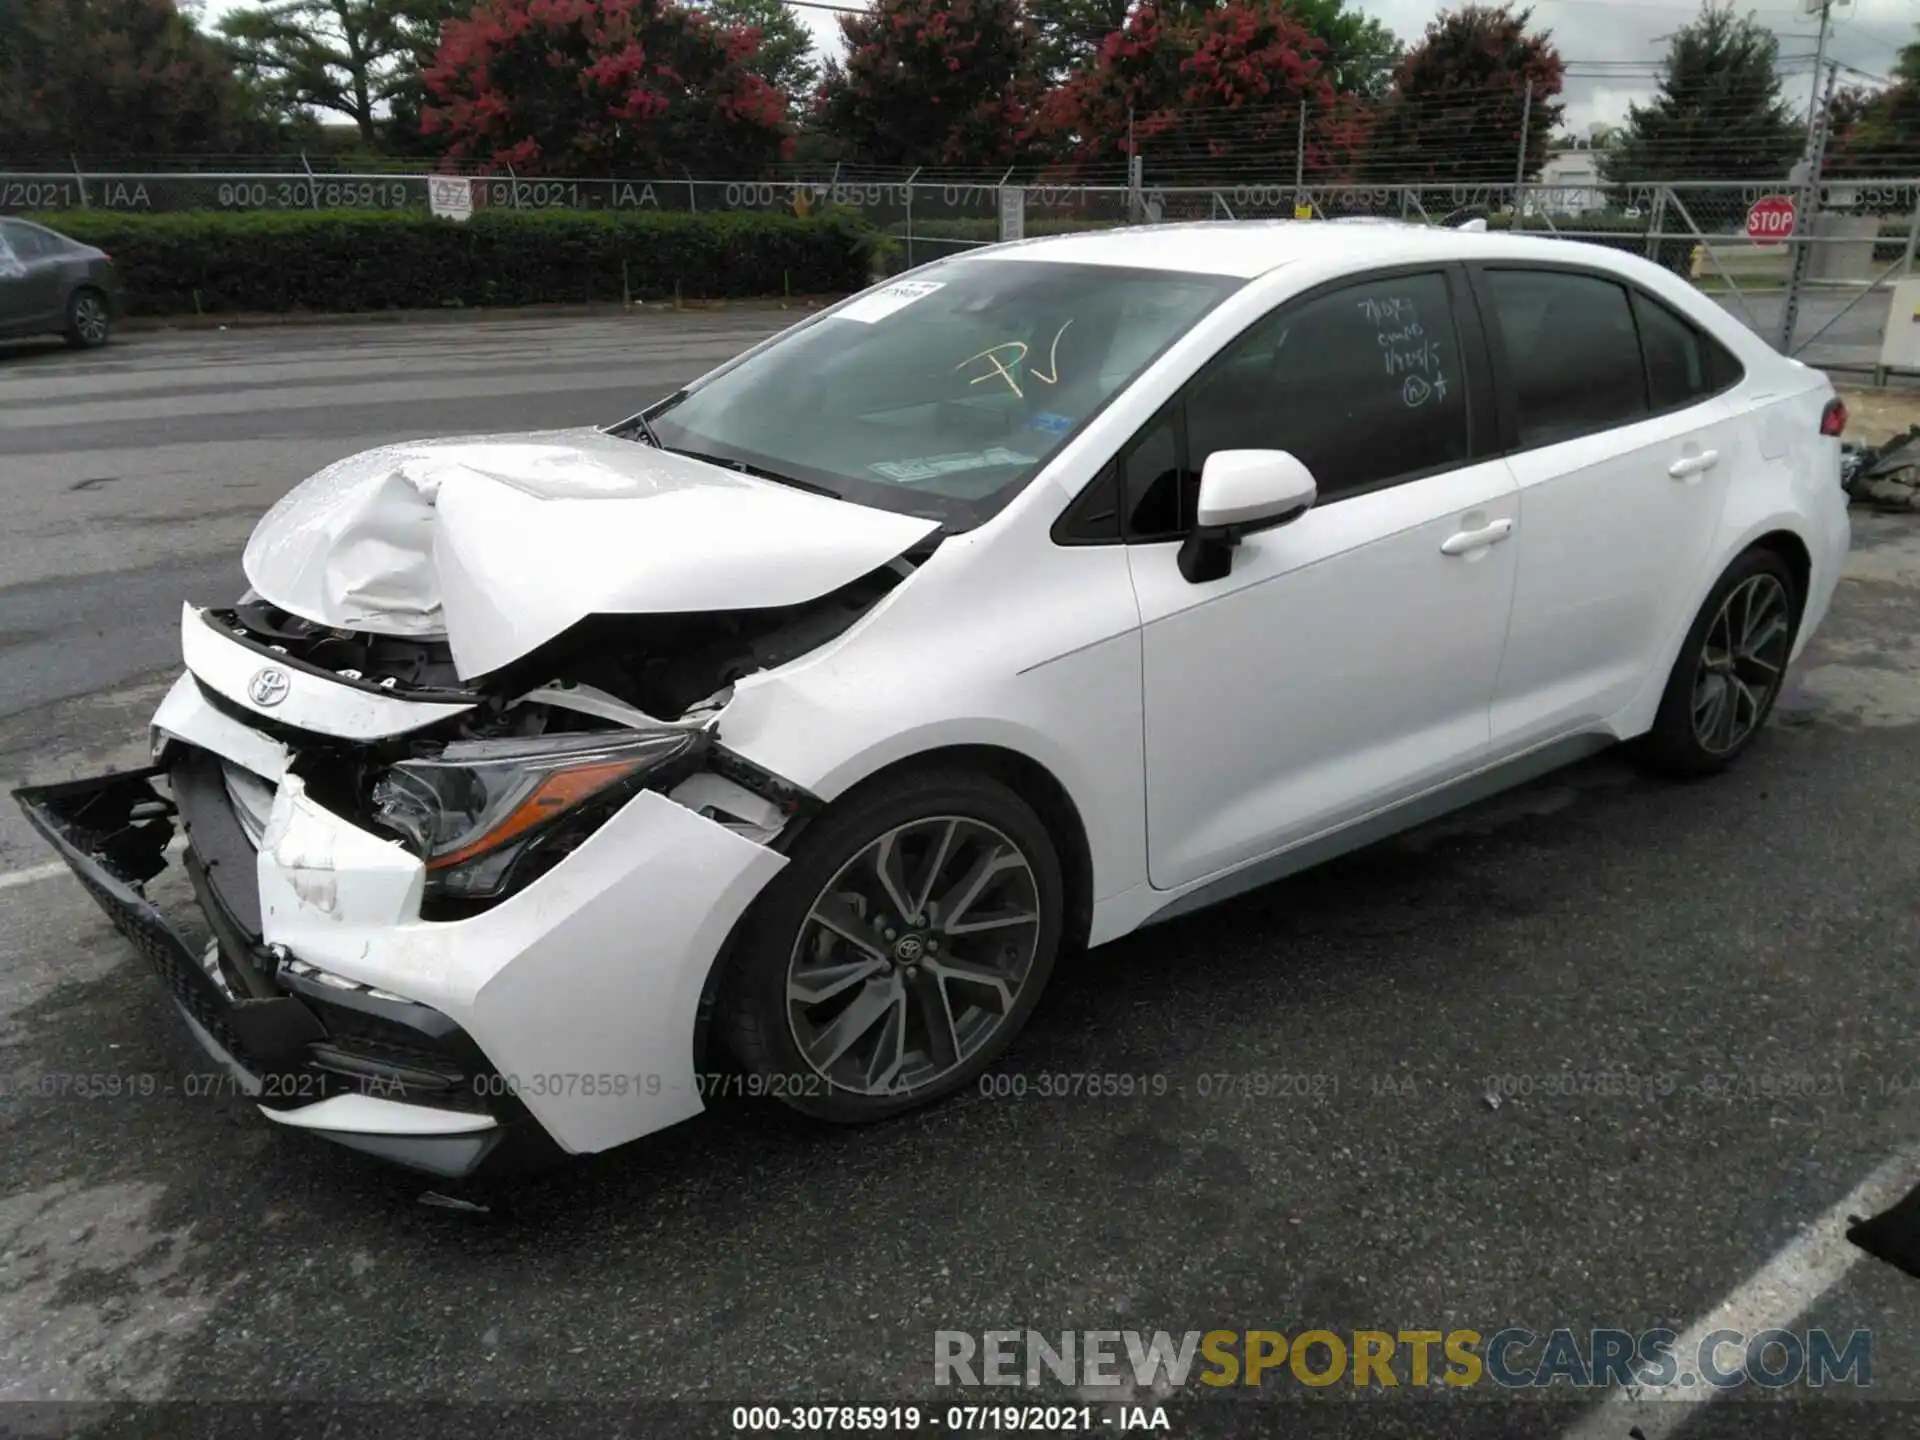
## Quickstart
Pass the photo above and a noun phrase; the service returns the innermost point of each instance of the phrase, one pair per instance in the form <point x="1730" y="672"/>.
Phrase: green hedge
<point x="369" y="260"/>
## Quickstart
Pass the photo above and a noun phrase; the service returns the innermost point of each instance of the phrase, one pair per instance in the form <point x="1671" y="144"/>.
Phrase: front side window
<point x="1363" y="385"/>
<point x="1572" y="350"/>
<point x="943" y="393"/>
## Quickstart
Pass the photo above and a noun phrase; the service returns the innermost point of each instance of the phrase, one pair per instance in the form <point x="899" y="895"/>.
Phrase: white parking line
<point x="1776" y="1295"/>
<point x="14" y="878"/>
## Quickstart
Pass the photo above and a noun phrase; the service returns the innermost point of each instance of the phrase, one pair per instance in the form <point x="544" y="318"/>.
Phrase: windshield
<point x="942" y="393"/>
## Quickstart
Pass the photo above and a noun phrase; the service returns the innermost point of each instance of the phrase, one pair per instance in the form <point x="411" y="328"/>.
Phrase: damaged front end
<point x="370" y="837"/>
<point x="454" y="791"/>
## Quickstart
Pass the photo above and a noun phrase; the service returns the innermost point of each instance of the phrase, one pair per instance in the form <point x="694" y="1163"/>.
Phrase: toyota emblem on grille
<point x="268" y="686"/>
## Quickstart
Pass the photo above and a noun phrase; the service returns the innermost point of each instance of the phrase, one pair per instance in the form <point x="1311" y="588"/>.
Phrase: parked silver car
<point x="51" y="284"/>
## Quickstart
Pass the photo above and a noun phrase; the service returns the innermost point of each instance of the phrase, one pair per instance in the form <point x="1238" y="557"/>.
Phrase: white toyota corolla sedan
<point x="1053" y="590"/>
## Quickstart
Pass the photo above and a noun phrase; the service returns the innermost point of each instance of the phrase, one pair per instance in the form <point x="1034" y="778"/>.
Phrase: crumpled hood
<point x="502" y="542"/>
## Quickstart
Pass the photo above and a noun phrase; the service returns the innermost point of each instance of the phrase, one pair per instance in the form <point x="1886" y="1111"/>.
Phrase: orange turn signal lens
<point x="557" y="792"/>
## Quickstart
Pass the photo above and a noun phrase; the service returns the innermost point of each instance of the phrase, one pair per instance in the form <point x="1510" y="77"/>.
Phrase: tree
<point x="1199" y="90"/>
<point x="1361" y="53"/>
<point x="933" y="82"/>
<point x="1068" y="33"/>
<point x="1359" y="57"/>
<point x="1884" y="138"/>
<point x="1454" y="114"/>
<point x="1718" y="115"/>
<point x="582" y="87"/>
<point x="783" y="51"/>
<point x="356" y="58"/>
<point x="116" y="80"/>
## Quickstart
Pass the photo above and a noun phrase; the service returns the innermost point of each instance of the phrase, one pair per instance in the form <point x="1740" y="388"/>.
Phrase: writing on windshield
<point x="1002" y="360"/>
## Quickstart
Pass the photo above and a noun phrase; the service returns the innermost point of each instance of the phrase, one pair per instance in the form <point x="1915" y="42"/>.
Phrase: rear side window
<point x="1572" y="350"/>
<point x="1684" y="365"/>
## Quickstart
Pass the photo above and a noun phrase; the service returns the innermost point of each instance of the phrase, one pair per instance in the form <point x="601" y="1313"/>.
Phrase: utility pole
<point x="1804" y="214"/>
<point x="1300" y="154"/>
<point x="1134" y="177"/>
<point x="1825" y="7"/>
<point x="1526" y="134"/>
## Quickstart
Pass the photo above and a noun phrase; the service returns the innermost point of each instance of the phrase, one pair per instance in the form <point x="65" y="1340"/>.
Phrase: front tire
<point x="89" y="321"/>
<point x="1730" y="669"/>
<point x="901" y="950"/>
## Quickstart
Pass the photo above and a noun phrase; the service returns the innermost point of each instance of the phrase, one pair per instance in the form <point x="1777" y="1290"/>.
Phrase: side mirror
<point x="1242" y="492"/>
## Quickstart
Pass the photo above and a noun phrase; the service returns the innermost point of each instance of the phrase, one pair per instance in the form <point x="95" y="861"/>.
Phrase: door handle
<point x="1468" y="542"/>
<point x="1687" y="467"/>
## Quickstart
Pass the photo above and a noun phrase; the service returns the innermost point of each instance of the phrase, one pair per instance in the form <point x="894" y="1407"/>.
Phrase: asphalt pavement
<point x="1694" y="1005"/>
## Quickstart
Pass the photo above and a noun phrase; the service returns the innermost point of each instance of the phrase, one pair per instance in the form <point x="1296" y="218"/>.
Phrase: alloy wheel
<point x="90" y="319"/>
<point x="913" y="956"/>
<point x="1741" y="663"/>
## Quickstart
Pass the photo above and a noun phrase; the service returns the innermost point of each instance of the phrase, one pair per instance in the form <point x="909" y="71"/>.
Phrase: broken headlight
<point x="484" y="813"/>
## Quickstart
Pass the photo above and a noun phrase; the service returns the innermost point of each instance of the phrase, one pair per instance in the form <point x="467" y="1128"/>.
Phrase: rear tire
<point x="1729" y="672"/>
<point x="89" y="321"/>
<point x="900" y="951"/>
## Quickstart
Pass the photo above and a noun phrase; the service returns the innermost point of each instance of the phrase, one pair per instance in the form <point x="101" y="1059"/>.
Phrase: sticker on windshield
<point x="883" y="303"/>
<point x="932" y="467"/>
<point x="1051" y="423"/>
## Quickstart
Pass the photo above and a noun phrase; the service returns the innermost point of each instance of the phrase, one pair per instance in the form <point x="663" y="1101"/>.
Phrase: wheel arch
<point x="1032" y="781"/>
<point x="1798" y="556"/>
<point x="87" y="285"/>
<point x="1775" y="534"/>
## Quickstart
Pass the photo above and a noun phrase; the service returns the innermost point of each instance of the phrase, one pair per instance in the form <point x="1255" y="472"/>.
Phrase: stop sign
<point x="1770" y="221"/>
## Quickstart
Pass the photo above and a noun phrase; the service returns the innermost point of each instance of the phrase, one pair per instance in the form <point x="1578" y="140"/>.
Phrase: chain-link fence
<point x="1808" y="266"/>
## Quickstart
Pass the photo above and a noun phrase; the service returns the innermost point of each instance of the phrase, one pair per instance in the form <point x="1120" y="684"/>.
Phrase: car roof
<point x="1249" y="248"/>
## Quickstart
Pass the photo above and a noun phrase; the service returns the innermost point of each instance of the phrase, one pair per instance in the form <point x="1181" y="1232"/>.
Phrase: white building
<point x="1569" y="184"/>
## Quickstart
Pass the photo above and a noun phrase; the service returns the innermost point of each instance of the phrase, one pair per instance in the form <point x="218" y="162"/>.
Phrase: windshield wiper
<point x="759" y="472"/>
<point x="640" y="425"/>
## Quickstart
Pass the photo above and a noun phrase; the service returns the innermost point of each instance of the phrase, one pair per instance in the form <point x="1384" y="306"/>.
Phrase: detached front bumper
<point x="378" y="1074"/>
<point x="562" y="1020"/>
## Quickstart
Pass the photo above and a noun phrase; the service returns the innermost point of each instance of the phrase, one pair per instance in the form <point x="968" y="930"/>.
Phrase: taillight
<point x="1833" y="420"/>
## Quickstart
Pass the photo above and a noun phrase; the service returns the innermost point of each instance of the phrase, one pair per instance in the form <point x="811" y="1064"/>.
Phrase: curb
<point x="460" y="315"/>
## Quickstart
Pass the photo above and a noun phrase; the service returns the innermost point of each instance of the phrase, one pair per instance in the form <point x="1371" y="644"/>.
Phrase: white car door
<point x="1624" y="442"/>
<point x="1348" y="659"/>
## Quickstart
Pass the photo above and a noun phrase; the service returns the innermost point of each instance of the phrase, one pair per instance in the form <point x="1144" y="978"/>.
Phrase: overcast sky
<point x="1595" y="36"/>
